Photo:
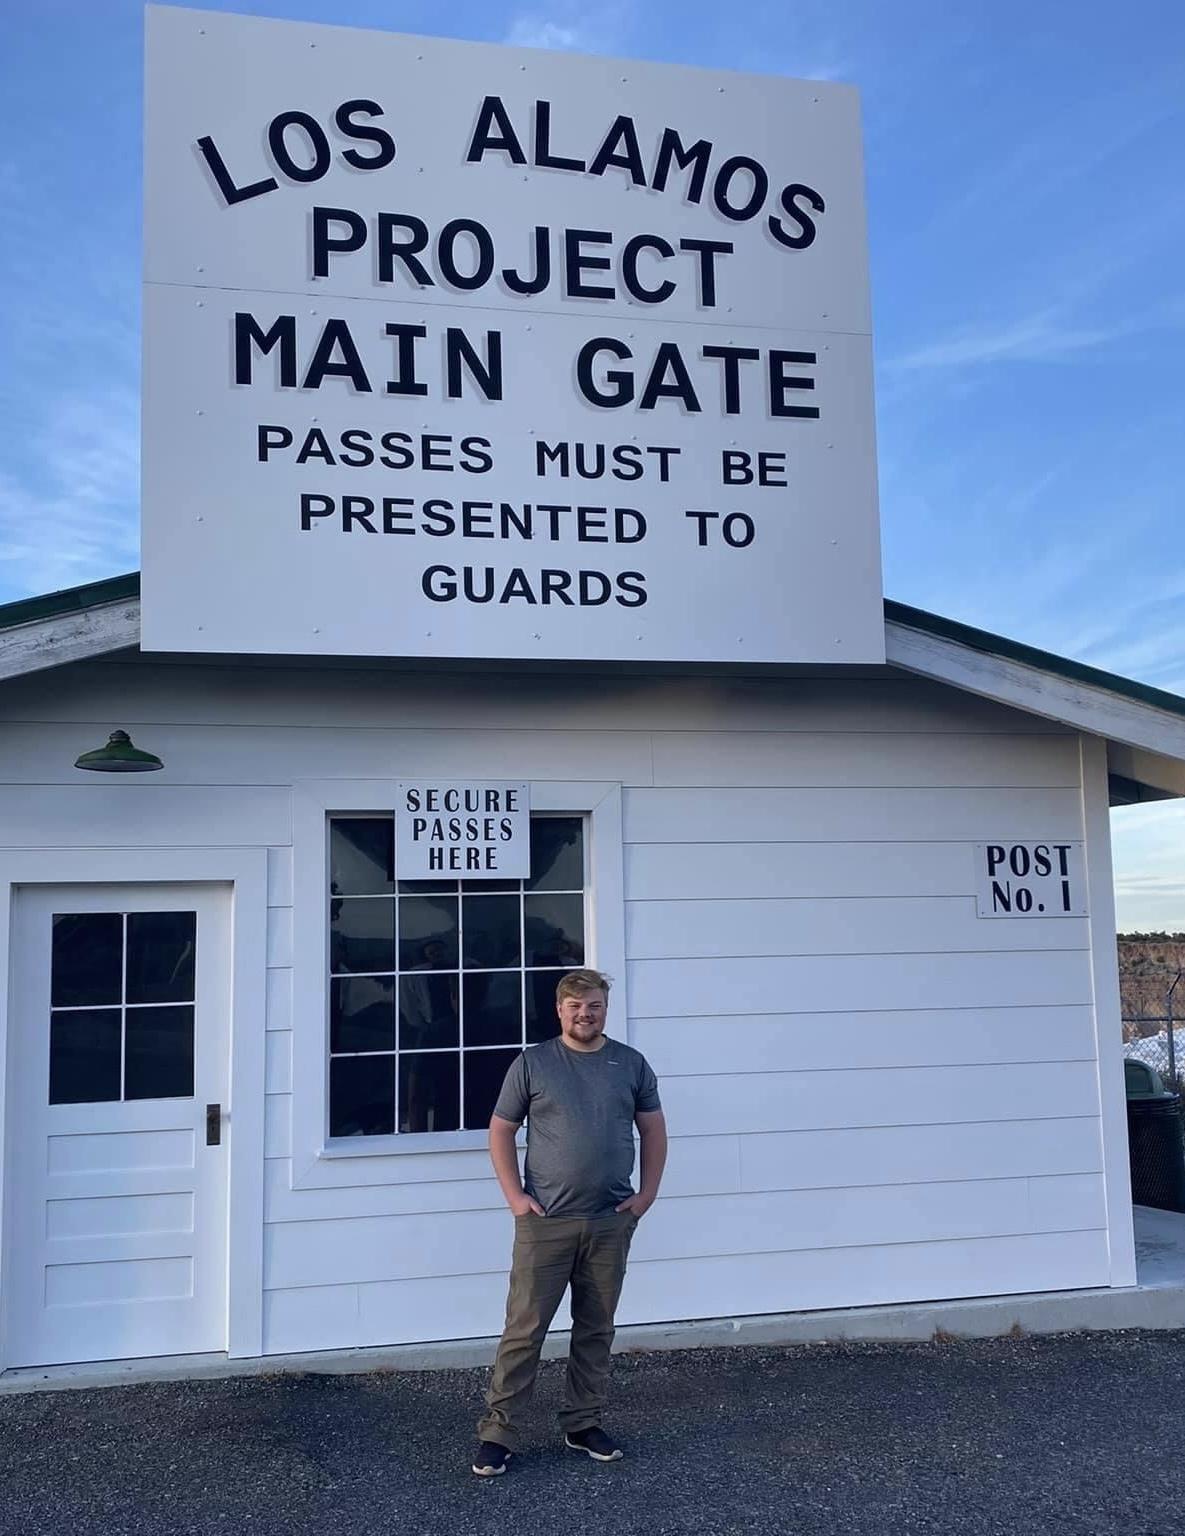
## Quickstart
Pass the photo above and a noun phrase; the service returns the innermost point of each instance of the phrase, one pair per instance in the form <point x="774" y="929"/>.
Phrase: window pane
<point x="428" y="933"/>
<point x="362" y="1013"/>
<point x="160" y="957"/>
<point x="484" y="1074"/>
<point x="362" y="1096"/>
<point x="477" y="887"/>
<point x="87" y="967"/>
<point x="361" y="856"/>
<point x="491" y="931"/>
<point x="84" y="1056"/>
<point x="557" y="853"/>
<point x="493" y="1007"/>
<point x="158" y="1055"/>
<point x="429" y="1092"/>
<point x="362" y="935"/>
<point x="542" y="1020"/>
<point x="428" y="1013"/>
<point x="427" y="887"/>
<point x="554" y="930"/>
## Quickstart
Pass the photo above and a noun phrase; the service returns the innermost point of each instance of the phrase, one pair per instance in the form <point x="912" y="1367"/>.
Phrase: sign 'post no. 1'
<point x="461" y="350"/>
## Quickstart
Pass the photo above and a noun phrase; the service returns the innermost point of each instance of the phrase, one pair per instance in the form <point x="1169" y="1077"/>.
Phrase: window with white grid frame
<point x="436" y="985"/>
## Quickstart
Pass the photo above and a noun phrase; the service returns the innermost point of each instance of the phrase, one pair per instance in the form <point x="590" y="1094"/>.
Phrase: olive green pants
<point x="552" y="1253"/>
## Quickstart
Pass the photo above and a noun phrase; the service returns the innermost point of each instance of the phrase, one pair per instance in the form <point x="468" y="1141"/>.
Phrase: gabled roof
<point x="1145" y="726"/>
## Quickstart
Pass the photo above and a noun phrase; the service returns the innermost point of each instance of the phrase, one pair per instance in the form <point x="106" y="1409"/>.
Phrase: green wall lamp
<point x="119" y="756"/>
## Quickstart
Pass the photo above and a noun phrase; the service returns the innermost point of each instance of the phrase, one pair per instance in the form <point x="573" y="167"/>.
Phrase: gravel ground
<point x="1077" y="1433"/>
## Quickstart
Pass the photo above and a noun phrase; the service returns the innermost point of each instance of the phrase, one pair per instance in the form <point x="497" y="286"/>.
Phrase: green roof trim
<point x="1030" y="656"/>
<point x="122" y="589"/>
<point x="95" y="594"/>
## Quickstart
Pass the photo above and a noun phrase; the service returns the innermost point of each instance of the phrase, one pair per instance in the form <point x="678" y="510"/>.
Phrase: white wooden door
<point x="117" y="1113"/>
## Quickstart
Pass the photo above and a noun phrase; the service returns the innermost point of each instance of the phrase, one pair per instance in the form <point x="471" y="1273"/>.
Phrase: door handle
<point x="213" y="1125"/>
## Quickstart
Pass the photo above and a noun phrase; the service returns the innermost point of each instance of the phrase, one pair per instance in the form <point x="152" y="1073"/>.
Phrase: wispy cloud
<point x="538" y="32"/>
<point x="1039" y="338"/>
<point x="80" y="522"/>
<point x="563" y="26"/>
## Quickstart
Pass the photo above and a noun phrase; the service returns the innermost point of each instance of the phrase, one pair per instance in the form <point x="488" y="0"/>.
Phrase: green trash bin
<point x="1154" y="1137"/>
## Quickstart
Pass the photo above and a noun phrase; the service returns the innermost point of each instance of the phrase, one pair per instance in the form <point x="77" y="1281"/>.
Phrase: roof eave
<point x="104" y="616"/>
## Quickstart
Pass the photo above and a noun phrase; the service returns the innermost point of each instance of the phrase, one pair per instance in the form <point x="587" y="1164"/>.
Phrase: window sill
<point x="395" y="1146"/>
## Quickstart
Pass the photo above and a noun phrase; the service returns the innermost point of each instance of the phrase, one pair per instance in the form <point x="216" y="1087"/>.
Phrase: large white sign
<point x="460" y="350"/>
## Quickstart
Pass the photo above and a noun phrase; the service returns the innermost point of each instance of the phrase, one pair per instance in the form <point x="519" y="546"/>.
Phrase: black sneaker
<point x="491" y="1459"/>
<point x="595" y="1443"/>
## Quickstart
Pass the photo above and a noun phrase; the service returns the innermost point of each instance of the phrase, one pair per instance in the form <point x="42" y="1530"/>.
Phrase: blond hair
<point x="577" y="983"/>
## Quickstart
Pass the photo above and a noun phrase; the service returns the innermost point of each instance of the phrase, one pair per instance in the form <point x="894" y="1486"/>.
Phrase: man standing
<point x="581" y="1094"/>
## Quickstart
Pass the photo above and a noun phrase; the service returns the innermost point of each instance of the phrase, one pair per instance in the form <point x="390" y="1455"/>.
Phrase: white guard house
<point x="511" y="601"/>
<point x="884" y="1084"/>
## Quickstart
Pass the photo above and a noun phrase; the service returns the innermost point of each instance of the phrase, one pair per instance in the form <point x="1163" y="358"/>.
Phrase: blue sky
<point x="1024" y="166"/>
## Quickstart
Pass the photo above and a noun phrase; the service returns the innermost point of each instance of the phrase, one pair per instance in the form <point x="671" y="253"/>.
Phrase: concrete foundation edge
<point x="1148" y="1307"/>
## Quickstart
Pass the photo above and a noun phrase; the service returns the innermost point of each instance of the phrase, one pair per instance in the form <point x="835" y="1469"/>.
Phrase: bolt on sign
<point x="478" y="831"/>
<point x="460" y="350"/>
<point x="1030" y="880"/>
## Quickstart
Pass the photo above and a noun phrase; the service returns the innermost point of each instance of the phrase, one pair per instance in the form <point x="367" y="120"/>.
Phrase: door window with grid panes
<point x="436" y="985"/>
<point x="121" y="1006"/>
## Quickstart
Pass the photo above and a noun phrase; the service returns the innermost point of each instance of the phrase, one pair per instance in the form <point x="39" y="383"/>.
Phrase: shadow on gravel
<point x="1080" y="1434"/>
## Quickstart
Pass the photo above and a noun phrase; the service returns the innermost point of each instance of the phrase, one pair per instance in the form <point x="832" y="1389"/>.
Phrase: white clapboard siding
<point x="456" y="1306"/>
<point x="398" y="1312"/>
<point x="778" y="1221"/>
<point x="133" y="814"/>
<point x="857" y="757"/>
<point x="919" y="1154"/>
<point x="692" y="871"/>
<point x="696" y="1165"/>
<point x="880" y="925"/>
<point x="819" y="983"/>
<point x="282" y="1203"/>
<point x="742" y="1103"/>
<point x="385" y="1248"/>
<point x="741" y="1284"/>
<point x="852" y="815"/>
<point x="260" y="755"/>
<point x="310" y="1317"/>
<point x="140" y="692"/>
<point x="420" y="1246"/>
<point x="473" y="1306"/>
<point x="810" y="1042"/>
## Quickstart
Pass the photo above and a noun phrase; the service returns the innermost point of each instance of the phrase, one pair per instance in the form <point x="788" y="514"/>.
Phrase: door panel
<point x="119" y="1041"/>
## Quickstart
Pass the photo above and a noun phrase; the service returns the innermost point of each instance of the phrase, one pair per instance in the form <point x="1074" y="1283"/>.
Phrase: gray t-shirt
<point x="580" y="1108"/>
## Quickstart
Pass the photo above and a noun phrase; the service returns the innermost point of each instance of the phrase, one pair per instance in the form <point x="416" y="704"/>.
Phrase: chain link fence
<point x="1161" y="1043"/>
<point x="1152" y="995"/>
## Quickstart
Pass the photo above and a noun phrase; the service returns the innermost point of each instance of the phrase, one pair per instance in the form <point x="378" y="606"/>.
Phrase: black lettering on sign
<point x="365" y="133"/>
<point x="315" y="145"/>
<point x="494" y="132"/>
<point x="249" y="334"/>
<point x="806" y="231"/>
<point x="1025" y="879"/>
